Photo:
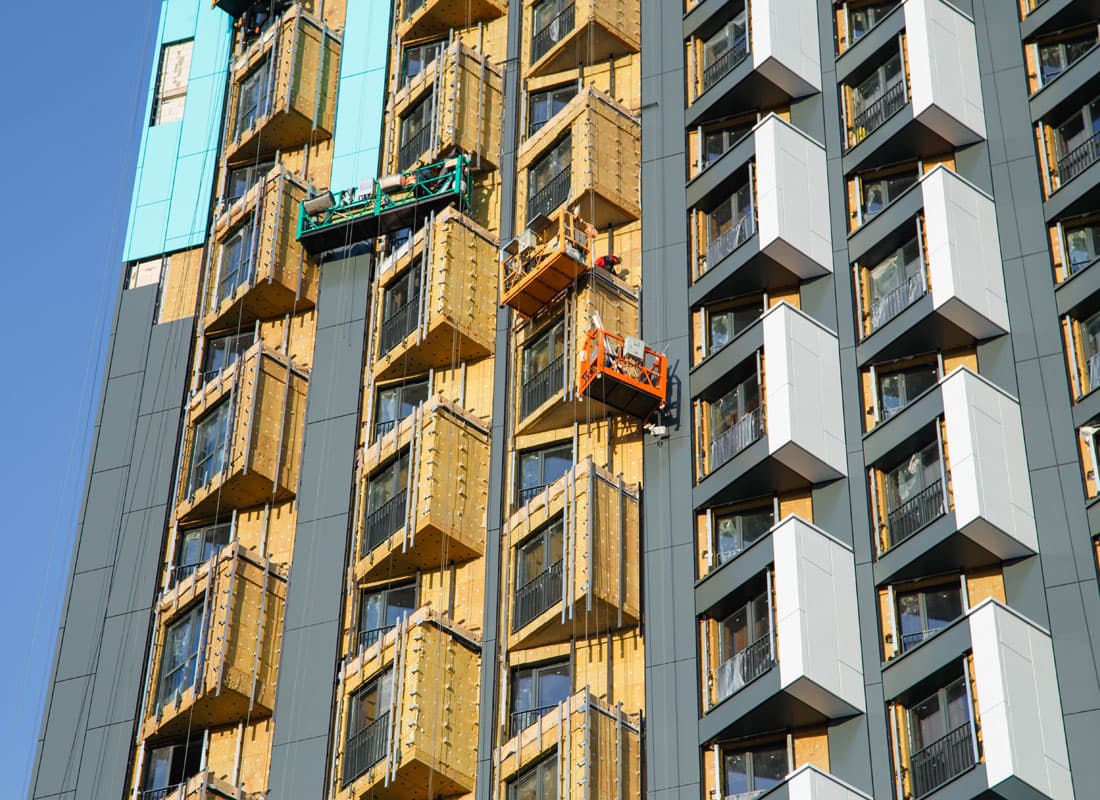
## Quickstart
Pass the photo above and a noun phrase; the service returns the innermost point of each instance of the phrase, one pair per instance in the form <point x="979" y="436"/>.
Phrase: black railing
<point x="736" y="438"/>
<point x="385" y="521"/>
<point x="730" y="239"/>
<point x="553" y="32"/>
<point x="527" y="493"/>
<point x="412" y="6"/>
<point x="934" y="765"/>
<point x="159" y="794"/>
<point x="416" y="146"/>
<point x="1079" y="159"/>
<point x="541" y="387"/>
<point x="366" y="748"/>
<point x="538" y="594"/>
<point x="745" y="666"/>
<point x="872" y="117"/>
<point x="550" y="196"/>
<point x="382" y="427"/>
<point x="398" y="325"/>
<point x="916" y="512"/>
<point x="725" y="63"/>
<point x="185" y="571"/>
<point x="887" y="306"/>
<point x="911" y="640"/>
<point x="527" y="717"/>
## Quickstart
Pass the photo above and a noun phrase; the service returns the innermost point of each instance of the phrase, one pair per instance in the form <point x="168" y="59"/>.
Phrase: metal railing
<point x="1079" y="159"/>
<point x="540" y="593"/>
<point x="160" y="794"/>
<point x="521" y="720"/>
<point x="382" y="427"/>
<point x="366" y="748"/>
<point x="745" y="666"/>
<point x="553" y="32"/>
<point x="889" y="305"/>
<point x="871" y="118"/>
<point x="911" y="640"/>
<point x="733" y="237"/>
<point x="934" y="765"/>
<point x="398" y="325"/>
<point x="528" y="493"/>
<point x="385" y="521"/>
<point x="916" y="512"/>
<point x="550" y="196"/>
<point x="412" y="6"/>
<point x="186" y="570"/>
<point x="736" y="438"/>
<point x="541" y="387"/>
<point x="416" y="146"/>
<point x="725" y="63"/>
<point x="371" y="635"/>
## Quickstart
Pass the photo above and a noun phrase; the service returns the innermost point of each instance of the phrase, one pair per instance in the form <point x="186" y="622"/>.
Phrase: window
<point x="1055" y="57"/>
<point x="914" y="493"/>
<point x="861" y="18"/>
<point x="539" y="468"/>
<point x="199" y="545"/>
<point x="397" y="402"/>
<point x="260" y="16"/>
<point x="551" y="20"/>
<point x="878" y="190"/>
<point x="940" y="744"/>
<point x="386" y="494"/>
<point x="400" y="307"/>
<point x="547" y="103"/>
<point x="736" y="530"/>
<point x="542" y="367"/>
<point x="539" y="782"/>
<point x="1090" y="347"/>
<point x="538" y="573"/>
<point x="877" y="98"/>
<point x="536" y="691"/>
<point x="896" y="282"/>
<point x="415" y="134"/>
<point x="251" y="98"/>
<point x="417" y="57"/>
<point x="168" y="766"/>
<point x="1082" y="245"/>
<point x="381" y="609"/>
<point x="753" y="769"/>
<point x="367" y="734"/>
<point x="548" y="179"/>
<point x="744" y="645"/>
<point x="719" y="138"/>
<point x="725" y="48"/>
<point x="735" y="421"/>
<point x="899" y="387"/>
<point x="922" y="612"/>
<point x="208" y="447"/>
<point x="172" y="77"/>
<point x="726" y="321"/>
<point x="179" y="659"/>
<point x="240" y="179"/>
<point x="235" y="263"/>
<point x="1075" y="140"/>
<point x="730" y="224"/>
<point x="223" y="351"/>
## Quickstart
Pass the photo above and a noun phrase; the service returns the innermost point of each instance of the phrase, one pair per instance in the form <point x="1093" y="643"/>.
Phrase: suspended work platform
<point x="544" y="260"/>
<point x="623" y="373"/>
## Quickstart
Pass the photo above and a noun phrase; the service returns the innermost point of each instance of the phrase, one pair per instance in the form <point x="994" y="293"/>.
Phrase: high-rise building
<point x="577" y="400"/>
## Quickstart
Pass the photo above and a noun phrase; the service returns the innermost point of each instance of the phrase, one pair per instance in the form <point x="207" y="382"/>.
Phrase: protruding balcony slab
<point x="598" y="30"/>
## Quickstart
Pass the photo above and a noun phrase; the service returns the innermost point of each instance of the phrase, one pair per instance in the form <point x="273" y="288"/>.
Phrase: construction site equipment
<point x="544" y="261"/>
<point x="623" y="373"/>
<point x="422" y="18"/>
<point x="386" y="205"/>
<point x="586" y="31"/>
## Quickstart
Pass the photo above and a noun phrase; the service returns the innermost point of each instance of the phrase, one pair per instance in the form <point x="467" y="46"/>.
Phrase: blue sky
<point x="73" y="94"/>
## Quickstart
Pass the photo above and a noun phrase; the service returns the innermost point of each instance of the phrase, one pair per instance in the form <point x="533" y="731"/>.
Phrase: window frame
<point x="220" y="417"/>
<point x="537" y="771"/>
<point x="256" y="86"/>
<point x="400" y="404"/>
<point x="384" y="592"/>
<point x="235" y="348"/>
<point x="750" y="751"/>
<point x="884" y="372"/>
<point x="536" y="671"/>
<point x="539" y="174"/>
<point x="193" y="621"/>
<point x="921" y="592"/>
<point x="768" y="506"/>
<point x="420" y="48"/>
<point x="541" y="452"/>
<point x="382" y="686"/>
<point x="164" y="96"/>
<point x="214" y="537"/>
<point x="552" y="94"/>
<point x="251" y="173"/>
<point x="714" y="312"/>
<point x="237" y="247"/>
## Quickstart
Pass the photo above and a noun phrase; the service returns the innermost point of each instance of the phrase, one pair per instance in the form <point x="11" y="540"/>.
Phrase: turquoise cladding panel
<point x="175" y="174"/>
<point x="363" y="56"/>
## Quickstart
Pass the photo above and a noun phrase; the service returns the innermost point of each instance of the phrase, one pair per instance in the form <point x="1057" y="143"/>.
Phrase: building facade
<point x="567" y="399"/>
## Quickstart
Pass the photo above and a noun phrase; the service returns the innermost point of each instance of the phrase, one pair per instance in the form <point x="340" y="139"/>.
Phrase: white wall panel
<point x="785" y="44"/>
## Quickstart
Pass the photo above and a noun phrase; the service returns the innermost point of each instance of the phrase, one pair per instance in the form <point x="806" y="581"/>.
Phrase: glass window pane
<point x="957" y="711"/>
<point x="523" y="690"/>
<point x="556" y="463"/>
<point x="554" y="685"/>
<point x="769" y="767"/>
<point x="943" y="606"/>
<point x="736" y="773"/>
<point x="928" y="722"/>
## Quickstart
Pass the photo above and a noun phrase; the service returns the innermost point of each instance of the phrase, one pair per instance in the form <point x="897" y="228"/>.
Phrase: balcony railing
<point x="889" y="305"/>
<point x="736" y="438"/>
<point x="871" y="118"/>
<point x="1079" y="159"/>
<point x="745" y="666"/>
<point x="934" y="765"/>
<point x="159" y="794"/>
<point x="733" y="237"/>
<point x="524" y="719"/>
<point x="385" y="521"/>
<point x="366" y="748"/>
<point x="553" y="32"/>
<point x="540" y="593"/>
<point x="725" y="63"/>
<point x="911" y="640"/>
<point x="382" y="427"/>
<point x="412" y="6"/>
<point x="185" y="571"/>
<point x="398" y="325"/>
<point x="916" y="512"/>
<point x="541" y="387"/>
<point x="550" y="196"/>
<point x="416" y="146"/>
<point x="528" y="493"/>
<point x="371" y="635"/>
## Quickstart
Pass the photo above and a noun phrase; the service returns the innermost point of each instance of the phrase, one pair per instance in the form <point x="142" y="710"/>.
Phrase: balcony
<point x="973" y="505"/>
<point x="767" y="410"/>
<point x="623" y="374"/>
<point x="283" y="89"/>
<point x="1009" y="738"/>
<point x="548" y="395"/>
<point x="592" y="31"/>
<point x="803" y="665"/>
<point x="231" y="662"/>
<point x="929" y="269"/>
<point x="423" y="18"/>
<point x="600" y="525"/>
<point x="198" y="787"/>
<point x="465" y="91"/>
<point x="771" y="57"/>
<point x="447" y="316"/>
<point x="600" y="170"/>
<point x="242" y="439"/>
<point x="781" y="234"/>
<point x="257" y="269"/>
<point x="544" y="261"/>
<point x="413" y="749"/>
<point x="439" y="509"/>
